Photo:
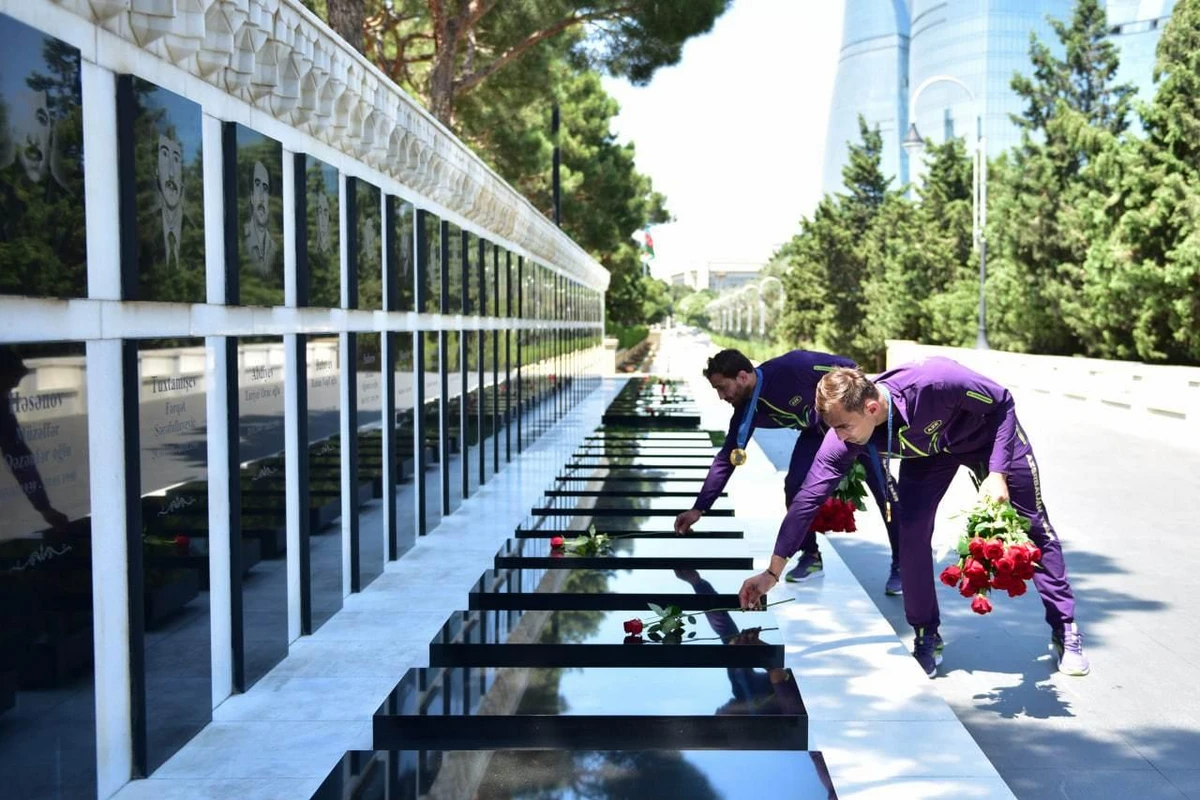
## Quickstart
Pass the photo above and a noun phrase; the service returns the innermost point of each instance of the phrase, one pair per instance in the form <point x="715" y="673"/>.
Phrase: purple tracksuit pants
<point x="922" y="485"/>
<point x="803" y="455"/>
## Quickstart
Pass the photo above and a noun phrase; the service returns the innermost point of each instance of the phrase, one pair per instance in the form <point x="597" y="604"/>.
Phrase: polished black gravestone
<point x="639" y="463"/>
<point x="591" y="638"/>
<point x="610" y="589"/>
<point x="594" y="707"/>
<point x="537" y="529"/>
<point x="576" y="774"/>
<point x="647" y="436"/>
<point x="626" y="553"/>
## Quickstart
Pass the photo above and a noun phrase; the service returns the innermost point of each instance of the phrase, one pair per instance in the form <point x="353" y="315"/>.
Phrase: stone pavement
<point x="1122" y="499"/>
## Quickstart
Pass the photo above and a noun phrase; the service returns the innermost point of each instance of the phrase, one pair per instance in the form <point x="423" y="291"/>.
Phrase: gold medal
<point x="737" y="457"/>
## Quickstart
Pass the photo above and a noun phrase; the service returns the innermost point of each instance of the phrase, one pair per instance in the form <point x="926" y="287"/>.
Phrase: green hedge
<point x="756" y="350"/>
<point x="627" y="335"/>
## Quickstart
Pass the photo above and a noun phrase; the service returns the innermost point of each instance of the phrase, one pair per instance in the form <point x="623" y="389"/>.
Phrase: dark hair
<point x="728" y="363"/>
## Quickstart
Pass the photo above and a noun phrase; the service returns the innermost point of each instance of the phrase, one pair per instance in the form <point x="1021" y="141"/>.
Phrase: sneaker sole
<point x="809" y="576"/>
<point x="1074" y="673"/>
<point x="890" y="593"/>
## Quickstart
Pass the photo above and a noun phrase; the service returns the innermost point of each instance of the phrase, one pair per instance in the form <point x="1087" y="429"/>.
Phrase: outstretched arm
<point x="714" y="483"/>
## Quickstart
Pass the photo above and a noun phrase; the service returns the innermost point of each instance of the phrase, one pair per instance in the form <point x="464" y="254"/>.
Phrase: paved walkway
<point x="1123" y="501"/>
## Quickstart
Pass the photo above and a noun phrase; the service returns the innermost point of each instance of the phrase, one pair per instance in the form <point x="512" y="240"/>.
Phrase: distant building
<point x="718" y="275"/>
<point x="890" y="47"/>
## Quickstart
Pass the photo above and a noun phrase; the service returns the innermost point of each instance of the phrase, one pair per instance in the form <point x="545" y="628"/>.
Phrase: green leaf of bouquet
<point x="657" y="609"/>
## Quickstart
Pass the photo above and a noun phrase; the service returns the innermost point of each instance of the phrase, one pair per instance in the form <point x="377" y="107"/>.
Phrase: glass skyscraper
<point x="891" y="48"/>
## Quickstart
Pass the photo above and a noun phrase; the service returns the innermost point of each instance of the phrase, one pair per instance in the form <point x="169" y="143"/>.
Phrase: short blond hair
<point x="846" y="386"/>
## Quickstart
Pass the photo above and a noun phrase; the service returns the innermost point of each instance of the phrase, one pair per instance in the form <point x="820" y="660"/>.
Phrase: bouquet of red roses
<point x="837" y="513"/>
<point x="994" y="553"/>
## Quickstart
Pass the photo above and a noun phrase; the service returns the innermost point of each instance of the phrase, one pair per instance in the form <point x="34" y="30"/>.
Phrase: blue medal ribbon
<point x="883" y="473"/>
<point x="738" y="456"/>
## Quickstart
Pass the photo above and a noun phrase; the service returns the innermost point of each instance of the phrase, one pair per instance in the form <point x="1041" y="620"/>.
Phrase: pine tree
<point x="1039" y="256"/>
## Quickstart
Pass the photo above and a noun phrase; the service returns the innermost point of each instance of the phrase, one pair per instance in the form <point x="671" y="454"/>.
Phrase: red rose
<point x="1024" y="572"/>
<point x="993" y="549"/>
<point x="182" y="542"/>
<point x="1035" y="553"/>
<point x="976" y="547"/>
<point x="1002" y="580"/>
<point x="1005" y="565"/>
<point x="951" y="575"/>
<point x="969" y="587"/>
<point x="1016" y="588"/>
<point x="975" y="570"/>
<point x="556" y="541"/>
<point x="981" y="605"/>
<point x="1018" y="555"/>
<point x="633" y="626"/>
<point x="851" y="526"/>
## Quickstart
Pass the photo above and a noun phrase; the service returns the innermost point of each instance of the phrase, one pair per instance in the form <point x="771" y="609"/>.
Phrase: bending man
<point x="935" y="415"/>
<point x="779" y="394"/>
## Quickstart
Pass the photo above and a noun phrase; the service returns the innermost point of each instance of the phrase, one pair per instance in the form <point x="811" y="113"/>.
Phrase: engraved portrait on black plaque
<point x="169" y="194"/>
<point x="260" y="218"/>
<point x="42" y="239"/>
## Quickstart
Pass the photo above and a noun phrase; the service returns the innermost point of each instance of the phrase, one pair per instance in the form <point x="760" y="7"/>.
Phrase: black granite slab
<point x="581" y="519"/>
<point x="649" y="445"/>
<point x="674" y="553"/>
<point x="627" y="510"/>
<point x="609" y="589"/>
<point x="641" y="460"/>
<point x="610" y="435"/>
<point x="697" y="450"/>
<point x="550" y="530"/>
<point x="578" y="774"/>
<point x="595" y="638"/>
<point x="597" y="707"/>
<point x="622" y="492"/>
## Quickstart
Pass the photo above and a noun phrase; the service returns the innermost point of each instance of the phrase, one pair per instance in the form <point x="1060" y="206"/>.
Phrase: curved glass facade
<point x="1136" y="26"/>
<point x="895" y="46"/>
<point x="871" y="80"/>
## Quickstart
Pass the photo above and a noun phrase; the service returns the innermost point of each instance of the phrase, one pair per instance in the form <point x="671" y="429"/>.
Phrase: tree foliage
<point x="1094" y="240"/>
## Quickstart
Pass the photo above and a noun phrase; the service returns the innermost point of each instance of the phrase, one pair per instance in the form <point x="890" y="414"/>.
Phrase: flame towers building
<point x="892" y="48"/>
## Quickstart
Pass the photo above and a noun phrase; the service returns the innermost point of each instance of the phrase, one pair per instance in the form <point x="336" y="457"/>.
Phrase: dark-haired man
<point x="780" y="393"/>
<point x="936" y="416"/>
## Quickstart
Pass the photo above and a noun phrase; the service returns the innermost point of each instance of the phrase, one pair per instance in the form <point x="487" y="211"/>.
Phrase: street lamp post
<point x="914" y="145"/>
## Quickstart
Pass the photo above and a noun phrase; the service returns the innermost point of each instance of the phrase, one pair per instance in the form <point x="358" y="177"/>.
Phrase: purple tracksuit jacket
<point x="786" y="400"/>
<point x="944" y="416"/>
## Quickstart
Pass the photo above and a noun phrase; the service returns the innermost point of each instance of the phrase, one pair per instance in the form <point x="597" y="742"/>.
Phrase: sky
<point x="734" y="135"/>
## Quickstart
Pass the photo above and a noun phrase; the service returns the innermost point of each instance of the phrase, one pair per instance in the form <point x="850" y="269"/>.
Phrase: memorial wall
<point x="263" y="322"/>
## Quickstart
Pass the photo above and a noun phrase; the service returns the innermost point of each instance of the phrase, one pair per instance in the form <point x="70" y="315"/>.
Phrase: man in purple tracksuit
<point x="779" y="394"/>
<point x="935" y="415"/>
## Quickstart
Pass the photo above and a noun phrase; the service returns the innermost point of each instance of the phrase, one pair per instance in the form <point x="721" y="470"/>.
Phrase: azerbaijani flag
<point x="647" y="242"/>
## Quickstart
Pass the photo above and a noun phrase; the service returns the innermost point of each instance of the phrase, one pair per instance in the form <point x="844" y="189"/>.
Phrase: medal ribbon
<point x="743" y="434"/>
<point x="883" y="471"/>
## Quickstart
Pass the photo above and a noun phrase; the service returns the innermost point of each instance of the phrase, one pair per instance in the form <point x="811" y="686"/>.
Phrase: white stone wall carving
<point x="277" y="56"/>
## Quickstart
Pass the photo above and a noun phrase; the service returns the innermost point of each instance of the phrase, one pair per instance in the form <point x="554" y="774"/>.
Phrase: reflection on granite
<point x="582" y="774"/>
<point x="544" y="528"/>
<point x="627" y="552"/>
<point x="519" y="707"/>
<point x="609" y="589"/>
<point x="596" y="637"/>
